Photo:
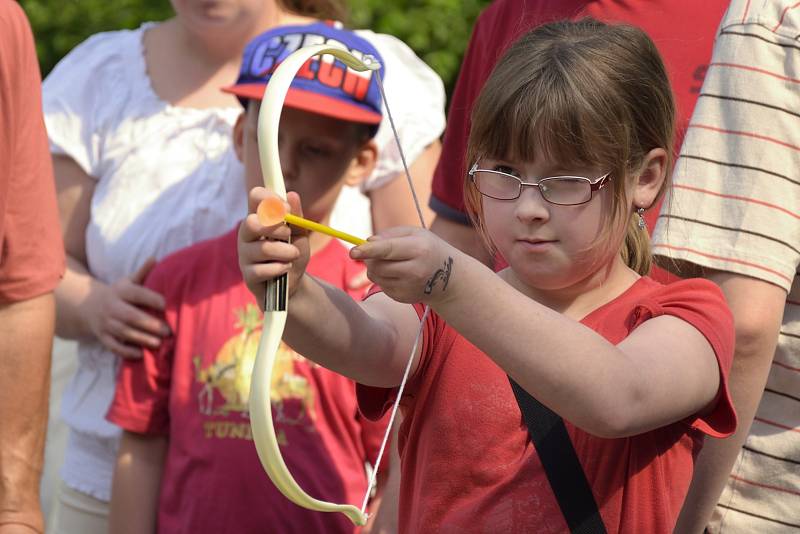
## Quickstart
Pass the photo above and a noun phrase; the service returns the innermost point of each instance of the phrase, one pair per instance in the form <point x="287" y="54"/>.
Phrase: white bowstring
<point x="400" y="148"/>
<point x="374" y="474"/>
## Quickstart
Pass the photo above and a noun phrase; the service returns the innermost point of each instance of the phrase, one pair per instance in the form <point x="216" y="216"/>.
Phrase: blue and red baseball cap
<point x="324" y="85"/>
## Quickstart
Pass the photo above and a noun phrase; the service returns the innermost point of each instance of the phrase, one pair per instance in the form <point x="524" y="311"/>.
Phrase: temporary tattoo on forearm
<point x="442" y="274"/>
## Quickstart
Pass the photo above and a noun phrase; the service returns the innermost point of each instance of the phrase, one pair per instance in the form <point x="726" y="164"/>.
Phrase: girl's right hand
<point x="115" y="316"/>
<point x="265" y="254"/>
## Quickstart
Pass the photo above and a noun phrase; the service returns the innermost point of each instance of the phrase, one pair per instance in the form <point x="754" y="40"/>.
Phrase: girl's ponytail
<point x="636" y="249"/>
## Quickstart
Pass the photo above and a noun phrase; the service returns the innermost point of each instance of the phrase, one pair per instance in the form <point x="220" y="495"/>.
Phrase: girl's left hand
<point x="410" y="264"/>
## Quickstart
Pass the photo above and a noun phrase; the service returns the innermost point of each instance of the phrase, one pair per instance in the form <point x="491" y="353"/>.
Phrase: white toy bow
<point x="275" y="306"/>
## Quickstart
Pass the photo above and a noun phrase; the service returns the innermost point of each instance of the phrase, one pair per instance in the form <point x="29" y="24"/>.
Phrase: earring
<point x="640" y="213"/>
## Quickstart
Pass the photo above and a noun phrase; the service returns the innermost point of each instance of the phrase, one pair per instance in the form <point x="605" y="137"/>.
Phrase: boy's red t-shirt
<point x="194" y="389"/>
<point x="467" y="461"/>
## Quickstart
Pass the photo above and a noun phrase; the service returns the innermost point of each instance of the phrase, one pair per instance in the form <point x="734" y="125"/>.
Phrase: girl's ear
<point x="651" y="178"/>
<point x="363" y="164"/>
<point x="238" y="135"/>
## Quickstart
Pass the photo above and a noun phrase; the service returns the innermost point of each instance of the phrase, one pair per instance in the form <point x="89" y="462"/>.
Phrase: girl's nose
<point x="531" y="205"/>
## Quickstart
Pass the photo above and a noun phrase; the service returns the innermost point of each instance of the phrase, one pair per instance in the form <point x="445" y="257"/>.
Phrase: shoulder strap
<point x="561" y="464"/>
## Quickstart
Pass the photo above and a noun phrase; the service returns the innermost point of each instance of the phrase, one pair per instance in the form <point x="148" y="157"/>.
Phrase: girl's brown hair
<point x="580" y="93"/>
<point x="318" y="9"/>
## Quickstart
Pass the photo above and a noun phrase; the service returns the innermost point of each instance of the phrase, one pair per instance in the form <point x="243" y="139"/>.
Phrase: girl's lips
<point x="536" y="241"/>
<point x="536" y="244"/>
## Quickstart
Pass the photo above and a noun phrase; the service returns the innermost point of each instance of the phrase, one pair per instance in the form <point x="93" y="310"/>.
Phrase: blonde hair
<point x="581" y="93"/>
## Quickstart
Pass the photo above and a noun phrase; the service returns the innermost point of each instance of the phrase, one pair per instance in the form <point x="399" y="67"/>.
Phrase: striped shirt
<point x="735" y="206"/>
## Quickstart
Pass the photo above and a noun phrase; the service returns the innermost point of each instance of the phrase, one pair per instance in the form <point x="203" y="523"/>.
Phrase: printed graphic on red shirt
<point x="195" y="389"/>
<point x="224" y="383"/>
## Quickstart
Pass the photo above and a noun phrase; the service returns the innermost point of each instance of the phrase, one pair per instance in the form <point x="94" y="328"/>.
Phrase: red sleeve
<point x="374" y="402"/>
<point x="141" y="399"/>
<point x="702" y="304"/>
<point x="31" y="248"/>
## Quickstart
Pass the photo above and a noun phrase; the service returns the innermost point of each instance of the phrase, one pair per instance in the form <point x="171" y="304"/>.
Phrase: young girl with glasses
<point x="570" y="142"/>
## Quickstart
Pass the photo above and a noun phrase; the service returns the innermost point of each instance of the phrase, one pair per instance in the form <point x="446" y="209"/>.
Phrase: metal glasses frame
<point x="594" y="185"/>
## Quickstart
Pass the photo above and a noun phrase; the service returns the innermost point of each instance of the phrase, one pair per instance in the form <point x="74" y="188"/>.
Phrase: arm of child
<point x="664" y="371"/>
<point x="141" y="408"/>
<point x="87" y="307"/>
<point x="369" y="342"/>
<point x="137" y="479"/>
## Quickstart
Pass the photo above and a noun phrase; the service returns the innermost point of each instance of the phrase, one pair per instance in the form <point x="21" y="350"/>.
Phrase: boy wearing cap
<point x="186" y="461"/>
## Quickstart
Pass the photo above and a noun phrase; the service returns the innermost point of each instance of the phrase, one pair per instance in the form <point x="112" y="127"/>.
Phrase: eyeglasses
<point x="560" y="190"/>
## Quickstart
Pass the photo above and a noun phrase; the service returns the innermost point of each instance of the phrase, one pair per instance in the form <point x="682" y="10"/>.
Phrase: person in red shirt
<point x="683" y="31"/>
<point x="31" y="265"/>
<point x="571" y="139"/>
<point x="187" y="462"/>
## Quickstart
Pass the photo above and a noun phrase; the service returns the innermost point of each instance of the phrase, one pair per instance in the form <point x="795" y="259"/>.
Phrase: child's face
<point x="548" y="246"/>
<point x="318" y="156"/>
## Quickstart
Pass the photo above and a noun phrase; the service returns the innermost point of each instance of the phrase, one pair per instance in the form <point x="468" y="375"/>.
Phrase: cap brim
<point x="311" y="102"/>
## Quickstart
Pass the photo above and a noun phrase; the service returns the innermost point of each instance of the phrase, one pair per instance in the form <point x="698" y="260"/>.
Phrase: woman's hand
<point x="410" y="264"/>
<point x="264" y="251"/>
<point x="114" y="315"/>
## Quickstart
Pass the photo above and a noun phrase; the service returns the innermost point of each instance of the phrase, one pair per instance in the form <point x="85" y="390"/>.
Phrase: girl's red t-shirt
<point x="468" y="464"/>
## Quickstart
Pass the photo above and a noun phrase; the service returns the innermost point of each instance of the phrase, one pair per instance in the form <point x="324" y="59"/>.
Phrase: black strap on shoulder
<point x="561" y="464"/>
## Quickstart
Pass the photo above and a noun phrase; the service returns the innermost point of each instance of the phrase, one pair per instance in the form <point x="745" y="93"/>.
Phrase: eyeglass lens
<point x="558" y="190"/>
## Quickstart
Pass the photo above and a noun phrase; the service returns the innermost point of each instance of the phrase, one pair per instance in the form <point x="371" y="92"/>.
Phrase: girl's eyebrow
<point x="506" y="163"/>
<point x="556" y="169"/>
<point x="571" y="170"/>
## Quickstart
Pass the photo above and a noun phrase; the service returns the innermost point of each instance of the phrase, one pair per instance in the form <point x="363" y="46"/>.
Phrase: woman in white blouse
<point x="141" y="141"/>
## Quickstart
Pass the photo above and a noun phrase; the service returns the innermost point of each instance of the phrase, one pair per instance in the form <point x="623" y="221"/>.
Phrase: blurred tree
<point x="59" y="25"/>
<point x="437" y="30"/>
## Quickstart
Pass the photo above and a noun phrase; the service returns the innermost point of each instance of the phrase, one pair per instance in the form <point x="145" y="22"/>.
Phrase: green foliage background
<point x="437" y="30"/>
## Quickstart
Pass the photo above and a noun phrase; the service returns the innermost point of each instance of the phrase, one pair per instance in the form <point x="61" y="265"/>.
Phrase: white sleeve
<point x="78" y="96"/>
<point x="416" y="98"/>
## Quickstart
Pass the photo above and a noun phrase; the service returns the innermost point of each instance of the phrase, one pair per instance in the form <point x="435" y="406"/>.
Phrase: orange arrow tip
<point x="271" y="211"/>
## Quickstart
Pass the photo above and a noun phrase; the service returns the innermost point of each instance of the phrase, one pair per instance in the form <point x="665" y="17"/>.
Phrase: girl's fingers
<point x="401" y="270"/>
<point x="251" y="230"/>
<point x="254" y="198"/>
<point x="382" y="249"/>
<point x="392" y="249"/>
<point x="141" y="296"/>
<point x="267" y="251"/>
<point x="120" y="349"/>
<point x="132" y="317"/>
<point x="293" y="198"/>
<point x="129" y="335"/>
<point x="258" y="273"/>
<point x="386" y="283"/>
